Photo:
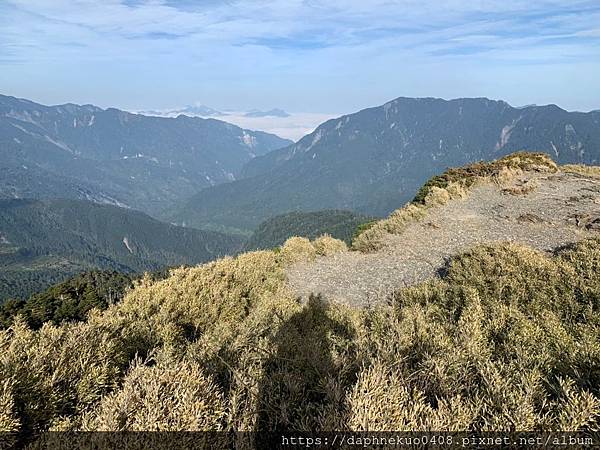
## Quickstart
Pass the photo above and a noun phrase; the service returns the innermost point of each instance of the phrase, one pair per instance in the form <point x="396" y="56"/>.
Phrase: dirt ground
<point x="562" y="209"/>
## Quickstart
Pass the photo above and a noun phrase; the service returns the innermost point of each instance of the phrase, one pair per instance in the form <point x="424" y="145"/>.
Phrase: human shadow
<point x="302" y="388"/>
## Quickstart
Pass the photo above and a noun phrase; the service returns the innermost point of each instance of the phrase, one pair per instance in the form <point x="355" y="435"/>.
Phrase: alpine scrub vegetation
<point x="452" y="184"/>
<point x="298" y="249"/>
<point x="327" y="245"/>
<point x="212" y="332"/>
<point x="593" y="171"/>
<point x="508" y="339"/>
<point x="173" y="395"/>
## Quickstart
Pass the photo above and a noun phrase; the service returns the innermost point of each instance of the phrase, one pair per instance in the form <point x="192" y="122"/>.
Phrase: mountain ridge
<point x="45" y="241"/>
<point x="522" y="199"/>
<point x="140" y="161"/>
<point x="374" y="160"/>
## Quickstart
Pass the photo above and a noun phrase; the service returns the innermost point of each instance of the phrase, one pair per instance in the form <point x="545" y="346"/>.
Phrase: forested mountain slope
<point x="374" y="160"/>
<point x="45" y="241"/>
<point x="108" y="155"/>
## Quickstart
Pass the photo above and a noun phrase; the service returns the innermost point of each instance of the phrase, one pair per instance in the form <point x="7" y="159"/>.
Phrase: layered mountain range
<point x="373" y="161"/>
<point x="58" y="163"/>
<point x="112" y="156"/>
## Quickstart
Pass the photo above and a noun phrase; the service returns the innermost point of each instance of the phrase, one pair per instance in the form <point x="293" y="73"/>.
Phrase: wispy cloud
<point x="301" y="53"/>
<point x="294" y="24"/>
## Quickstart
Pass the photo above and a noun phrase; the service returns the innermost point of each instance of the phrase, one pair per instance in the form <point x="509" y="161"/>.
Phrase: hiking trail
<point x="562" y="209"/>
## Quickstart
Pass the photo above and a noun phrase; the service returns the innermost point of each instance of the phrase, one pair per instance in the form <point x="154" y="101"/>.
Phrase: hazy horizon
<point x="294" y="126"/>
<point x="299" y="55"/>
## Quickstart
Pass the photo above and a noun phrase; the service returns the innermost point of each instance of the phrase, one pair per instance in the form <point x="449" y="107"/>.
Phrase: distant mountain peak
<point x="373" y="161"/>
<point x="195" y="110"/>
<point x="276" y="112"/>
<point x="201" y="110"/>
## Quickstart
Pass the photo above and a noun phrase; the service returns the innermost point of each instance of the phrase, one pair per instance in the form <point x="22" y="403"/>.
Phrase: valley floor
<point x="559" y="209"/>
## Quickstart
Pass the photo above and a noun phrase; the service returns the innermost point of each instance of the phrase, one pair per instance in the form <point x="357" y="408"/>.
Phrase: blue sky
<point x="301" y="55"/>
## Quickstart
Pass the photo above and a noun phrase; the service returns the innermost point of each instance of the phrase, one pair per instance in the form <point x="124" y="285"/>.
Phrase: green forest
<point x="275" y="231"/>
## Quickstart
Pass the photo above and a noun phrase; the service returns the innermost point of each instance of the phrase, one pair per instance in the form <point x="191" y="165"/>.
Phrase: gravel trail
<point x="564" y="208"/>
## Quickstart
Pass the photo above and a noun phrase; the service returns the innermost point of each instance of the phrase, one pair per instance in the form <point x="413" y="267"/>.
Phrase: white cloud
<point x="294" y="127"/>
<point x="297" y="53"/>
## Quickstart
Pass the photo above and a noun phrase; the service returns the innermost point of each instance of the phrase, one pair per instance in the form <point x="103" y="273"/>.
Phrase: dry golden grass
<point x="60" y="372"/>
<point x="590" y="171"/>
<point x="455" y="184"/>
<point x="9" y="421"/>
<point x="327" y="245"/>
<point x="297" y="249"/>
<point x="506" y="175"/>
<point x="509" y="339"/>
<point x="522" y="188"/>
<point x="502" y="170"/>
<point x="372" y="239"/>
<point x="168" y="396"/>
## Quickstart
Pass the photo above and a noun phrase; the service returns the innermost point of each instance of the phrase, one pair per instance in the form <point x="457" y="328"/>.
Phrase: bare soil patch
<point x="554" y="210"/>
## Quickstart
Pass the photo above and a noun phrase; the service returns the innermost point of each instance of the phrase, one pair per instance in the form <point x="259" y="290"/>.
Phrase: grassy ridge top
<point x="454" y="183"/>
<point x="226" y="346"/>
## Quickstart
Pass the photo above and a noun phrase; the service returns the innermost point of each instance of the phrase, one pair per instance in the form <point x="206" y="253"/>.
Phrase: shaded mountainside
<point x="119" y="157"/>
<point x="45" y="241"/>
<point x="375" y="160"/>
<point x="275" y="231"/>
<point x="36" y="183"/>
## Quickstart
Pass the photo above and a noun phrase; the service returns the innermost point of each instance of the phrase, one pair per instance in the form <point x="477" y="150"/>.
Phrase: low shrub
<point x="362" y="228"/>
<point x="503" y="168"/>
<point x="508" y="339"/>
<point x="57" y="371"/>
<point x="521" y="188"/>
<point x="326" y="245"/>
<point x="168" y="396"/>
<point x="372" y="239"/>
<point x="297" y="249"/>
<point x="589" y="171"/>
<point x="9" y="421"/>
